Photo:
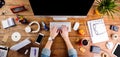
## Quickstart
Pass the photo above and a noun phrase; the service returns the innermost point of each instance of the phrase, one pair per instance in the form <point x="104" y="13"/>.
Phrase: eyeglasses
<point x="98" y="28"/>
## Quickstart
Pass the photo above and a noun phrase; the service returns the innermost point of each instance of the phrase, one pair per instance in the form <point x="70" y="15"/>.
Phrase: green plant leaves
<point x="107" y="7"/>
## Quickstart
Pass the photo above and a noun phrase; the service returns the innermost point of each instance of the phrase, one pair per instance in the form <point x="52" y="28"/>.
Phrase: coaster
<point x="16" y="36"/>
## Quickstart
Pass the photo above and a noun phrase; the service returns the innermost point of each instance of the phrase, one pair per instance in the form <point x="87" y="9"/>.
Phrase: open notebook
<point x="97" y="30"/>
<point x="8" y="23"/>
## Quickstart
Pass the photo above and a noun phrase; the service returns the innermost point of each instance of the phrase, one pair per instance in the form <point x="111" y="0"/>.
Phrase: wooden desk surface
<point x="58" y="48"/>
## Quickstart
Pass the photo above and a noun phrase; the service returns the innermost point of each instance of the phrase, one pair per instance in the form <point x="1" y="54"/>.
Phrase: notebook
<point x="34" y="51"/>
<point x="8" y="23"/>
<point x="97" y="30"/>
<point x="3" y="51"/>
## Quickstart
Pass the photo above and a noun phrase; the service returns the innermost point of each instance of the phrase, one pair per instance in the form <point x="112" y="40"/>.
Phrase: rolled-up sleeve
<point x="45" y="52"/>
<point x="72" y="53"/>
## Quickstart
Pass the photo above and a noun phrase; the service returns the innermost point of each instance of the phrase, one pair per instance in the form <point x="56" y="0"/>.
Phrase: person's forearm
<point x="48" y="44"/>
<point x="71" y="51"/>
<point x="68" y="43"/>
<point x="46" y="51"/>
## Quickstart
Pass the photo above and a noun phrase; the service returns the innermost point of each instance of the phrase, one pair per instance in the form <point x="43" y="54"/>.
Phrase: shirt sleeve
<point x="45" y="52"/>
<point x="72" y="53"/>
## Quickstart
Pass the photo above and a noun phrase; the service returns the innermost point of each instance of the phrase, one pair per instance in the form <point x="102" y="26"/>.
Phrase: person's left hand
<point x="54" y="32"/>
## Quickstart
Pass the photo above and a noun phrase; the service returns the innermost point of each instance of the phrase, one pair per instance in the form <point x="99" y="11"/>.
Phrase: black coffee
<point x="84" y="42"/>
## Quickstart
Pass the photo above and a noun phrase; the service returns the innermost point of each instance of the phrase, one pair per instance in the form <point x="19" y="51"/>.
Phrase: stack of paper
<point x="97" y="30"/>
<point x="8" y="23"/>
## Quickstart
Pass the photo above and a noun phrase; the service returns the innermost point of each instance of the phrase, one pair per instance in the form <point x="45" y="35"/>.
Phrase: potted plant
<point x="107" y="7"/>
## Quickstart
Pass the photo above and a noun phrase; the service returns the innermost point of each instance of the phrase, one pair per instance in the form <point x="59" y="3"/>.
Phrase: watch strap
<point x="50" y="39"/>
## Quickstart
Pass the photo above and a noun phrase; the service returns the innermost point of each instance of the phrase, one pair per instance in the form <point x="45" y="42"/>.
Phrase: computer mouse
<point x="109" y="45"/>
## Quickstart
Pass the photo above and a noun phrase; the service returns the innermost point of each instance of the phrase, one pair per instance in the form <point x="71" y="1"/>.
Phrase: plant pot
<point x="97" y="12"/>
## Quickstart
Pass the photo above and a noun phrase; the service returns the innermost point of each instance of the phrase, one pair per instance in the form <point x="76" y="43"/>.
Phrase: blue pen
<point x="44" y="26"/>
<point x="35" y="52"/>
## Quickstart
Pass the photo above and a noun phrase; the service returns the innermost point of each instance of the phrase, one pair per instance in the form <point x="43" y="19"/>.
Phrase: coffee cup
<point x="83" y="42"/>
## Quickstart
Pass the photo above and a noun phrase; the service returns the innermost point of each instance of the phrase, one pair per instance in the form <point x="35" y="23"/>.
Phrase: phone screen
<point x="18" y="9"/>
<point x="39" y="38"/>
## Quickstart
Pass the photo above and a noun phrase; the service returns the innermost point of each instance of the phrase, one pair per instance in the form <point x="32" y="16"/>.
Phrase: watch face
<point x="50" y="39"/>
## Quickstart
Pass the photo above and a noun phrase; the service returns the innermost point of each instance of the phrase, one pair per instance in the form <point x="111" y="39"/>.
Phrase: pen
<point x="44" y="26"/>
<point x="34" y="52"/>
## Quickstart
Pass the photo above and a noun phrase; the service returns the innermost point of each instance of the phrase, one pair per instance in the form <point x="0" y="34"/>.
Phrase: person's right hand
<point x="54" y="32"/>
<point x="64" y="32"/>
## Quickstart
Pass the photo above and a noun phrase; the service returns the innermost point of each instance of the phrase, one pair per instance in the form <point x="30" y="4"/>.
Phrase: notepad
<point x="3" y="51"/>
<point x="97" y="30"/>
<point x="34" y="51"/>
<point x="8" y="23"/>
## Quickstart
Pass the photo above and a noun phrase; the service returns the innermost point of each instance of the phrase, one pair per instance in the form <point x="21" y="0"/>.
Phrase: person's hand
<point x="54" y="32"/>
<point x="64" y="32"/>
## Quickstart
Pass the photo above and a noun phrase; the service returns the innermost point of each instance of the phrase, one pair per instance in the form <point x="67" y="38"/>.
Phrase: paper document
<point x="97" y="30"/>
<point x="34" y="51"/>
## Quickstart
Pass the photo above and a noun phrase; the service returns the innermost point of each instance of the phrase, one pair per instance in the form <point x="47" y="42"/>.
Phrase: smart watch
<point x="50" y="39"/>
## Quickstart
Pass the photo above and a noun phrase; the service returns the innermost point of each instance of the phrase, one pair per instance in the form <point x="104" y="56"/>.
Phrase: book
<point x="97" y="30"/>
<point x="3" y="51"/>
<point x="8" y="23"/>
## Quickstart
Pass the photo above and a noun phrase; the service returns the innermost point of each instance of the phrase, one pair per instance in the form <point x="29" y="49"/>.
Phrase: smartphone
<point x="95" y="49"/>
<point x="18" y="9"/>
<point x="39" y="38"/>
